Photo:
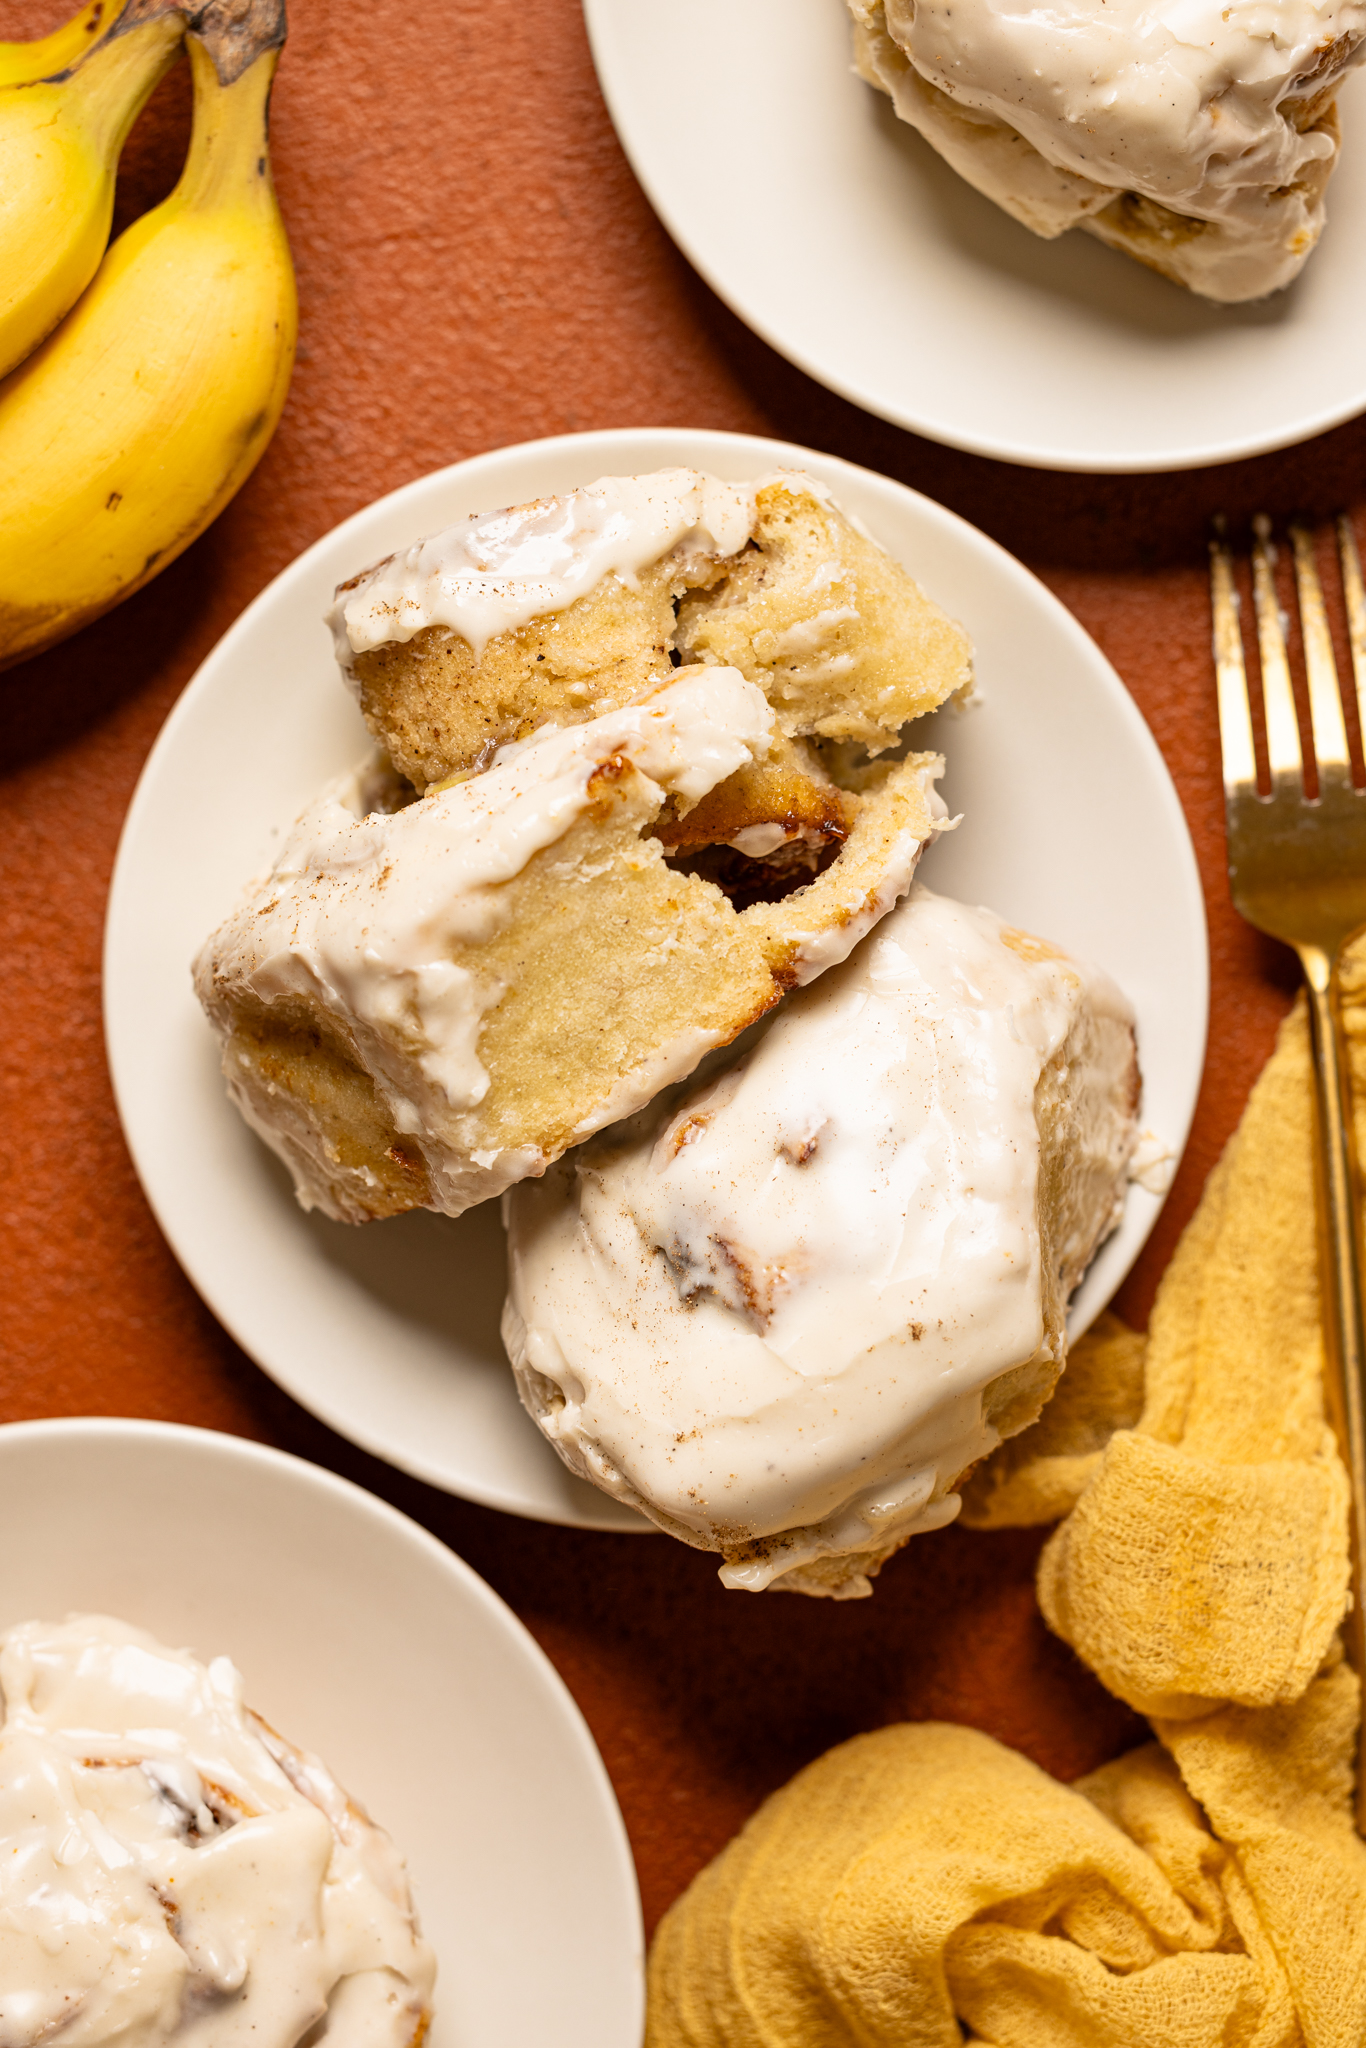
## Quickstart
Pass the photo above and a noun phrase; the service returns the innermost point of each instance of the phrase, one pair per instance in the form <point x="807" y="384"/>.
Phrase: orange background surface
<point x="477" y="266"/>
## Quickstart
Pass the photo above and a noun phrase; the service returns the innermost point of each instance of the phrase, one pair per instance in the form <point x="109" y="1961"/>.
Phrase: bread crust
<point x="853" y="656"/>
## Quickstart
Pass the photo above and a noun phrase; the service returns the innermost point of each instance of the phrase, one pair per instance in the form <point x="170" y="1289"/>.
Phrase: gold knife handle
<point x="1339" y="1245"/>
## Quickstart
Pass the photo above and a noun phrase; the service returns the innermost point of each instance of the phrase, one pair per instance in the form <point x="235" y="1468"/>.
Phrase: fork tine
<point x="1278" y="695"/>
<point x="1297" y="871"/>
<point x="1321" y="669"/>
<point x="1235" y="715"/>
<point x="1355" y="595"/>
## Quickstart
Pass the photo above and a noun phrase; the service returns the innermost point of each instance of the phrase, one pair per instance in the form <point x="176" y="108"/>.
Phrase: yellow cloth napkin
<point x="1206" y="1556"/>
<point x="923" y="1885"/>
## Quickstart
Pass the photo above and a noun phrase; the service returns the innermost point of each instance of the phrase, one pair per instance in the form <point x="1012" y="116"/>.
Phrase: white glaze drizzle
<point x="360" y="913"/>
<point x="499" y="570"/>
<point x="138" y="1904"/>
<point x="1154" y="1162"/>
<point x="496" y="571"/>
<point x="771" y="1302"/>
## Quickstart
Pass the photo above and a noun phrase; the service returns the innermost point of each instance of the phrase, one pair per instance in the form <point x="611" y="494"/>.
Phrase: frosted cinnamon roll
<point x="1197" y="137"/>
<point x="570" y="606"/>
<point x="172" y="1871"/>
<point x="431" y="997"/>
<point x="628" y="795"/>
<point x="787" y="1308"/>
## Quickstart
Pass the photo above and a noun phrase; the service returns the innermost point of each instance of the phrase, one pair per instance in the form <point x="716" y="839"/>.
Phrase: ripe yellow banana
<point x="60" y="140"/>
<point x="66" y="45"/>
<point x="135" y="423"/>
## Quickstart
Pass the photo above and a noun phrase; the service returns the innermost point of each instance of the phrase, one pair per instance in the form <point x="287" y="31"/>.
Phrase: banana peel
<point x="132" y="426"/>
<point x="60" y="143"/>
<point x="65" y="46"/>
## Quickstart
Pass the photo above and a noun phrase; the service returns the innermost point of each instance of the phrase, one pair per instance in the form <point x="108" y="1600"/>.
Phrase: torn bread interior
<point x="571" y="606"/>
<point x="642" y="768"/>
<point x="431" y="997"/>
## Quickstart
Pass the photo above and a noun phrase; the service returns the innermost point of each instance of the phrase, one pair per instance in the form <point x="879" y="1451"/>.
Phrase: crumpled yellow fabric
<point x="922" y="1885"/>
<point x="1205" y="1558"/>
<point x="1040" y="1475"/>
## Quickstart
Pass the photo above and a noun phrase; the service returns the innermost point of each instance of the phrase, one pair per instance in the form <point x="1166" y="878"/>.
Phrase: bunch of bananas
<point x="139" y="384"/>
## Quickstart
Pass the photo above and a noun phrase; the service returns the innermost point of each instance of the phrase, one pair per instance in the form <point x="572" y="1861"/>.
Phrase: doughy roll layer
<point x="420" y="1006"/>
<point x="568" y="607"/>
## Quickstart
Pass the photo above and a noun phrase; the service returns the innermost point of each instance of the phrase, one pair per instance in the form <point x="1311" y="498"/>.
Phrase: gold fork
<point x="1297" y="870"/>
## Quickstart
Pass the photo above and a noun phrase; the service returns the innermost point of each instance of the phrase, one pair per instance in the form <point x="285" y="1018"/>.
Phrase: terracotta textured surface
<point x="477" y="266"/>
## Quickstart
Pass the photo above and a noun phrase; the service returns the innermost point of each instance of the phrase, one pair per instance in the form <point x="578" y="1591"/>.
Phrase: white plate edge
<point x="597" y="20"/>
<point x="537" y="1664"/>
<point x="776" y="452"/>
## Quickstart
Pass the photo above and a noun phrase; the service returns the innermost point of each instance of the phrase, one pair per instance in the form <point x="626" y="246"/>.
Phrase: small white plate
<point x="389" y="1332"/>
<point x="838" y="235"/>
<point x="362" y="1638"/>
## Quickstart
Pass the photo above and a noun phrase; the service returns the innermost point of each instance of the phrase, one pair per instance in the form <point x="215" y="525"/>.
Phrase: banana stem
<point x="236" y="32"/>
<point x="229" y="151"/>
<point x="116" y="80"/>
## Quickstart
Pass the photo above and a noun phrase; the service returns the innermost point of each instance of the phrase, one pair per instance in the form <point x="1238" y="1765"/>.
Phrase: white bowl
<point x="362" y="1638"/>
<point x="389" y="1332"/>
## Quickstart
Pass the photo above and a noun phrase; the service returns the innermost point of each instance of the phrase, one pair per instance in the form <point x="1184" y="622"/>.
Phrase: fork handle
<point x="1339" y="1241"/>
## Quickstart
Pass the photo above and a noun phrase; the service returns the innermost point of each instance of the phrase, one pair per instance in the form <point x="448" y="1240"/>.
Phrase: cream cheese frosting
<point x="361" y="911"/>
<point x="1189" y="103"/>
<point x="171" y="1872"/>
<point x="766" y="1310"/>
<point x="498" y="570"/>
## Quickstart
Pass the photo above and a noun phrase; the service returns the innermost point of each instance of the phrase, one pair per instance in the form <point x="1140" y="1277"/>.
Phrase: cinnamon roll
<point x="786" y="1309"/>
<point x="421" y="1005"/>
<point x="173" y="1871"/>
<point x="638" y="778"/>
<point x="1197" y="137"/>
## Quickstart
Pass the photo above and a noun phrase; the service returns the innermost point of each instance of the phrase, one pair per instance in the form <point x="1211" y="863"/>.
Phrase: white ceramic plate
<point x="390" y="1332"/>
<point x="838" y="235"/>
<point x="361" y="1637"/>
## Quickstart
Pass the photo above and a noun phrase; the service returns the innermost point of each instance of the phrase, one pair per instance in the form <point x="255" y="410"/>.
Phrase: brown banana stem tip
<point x="235" y="32"/>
